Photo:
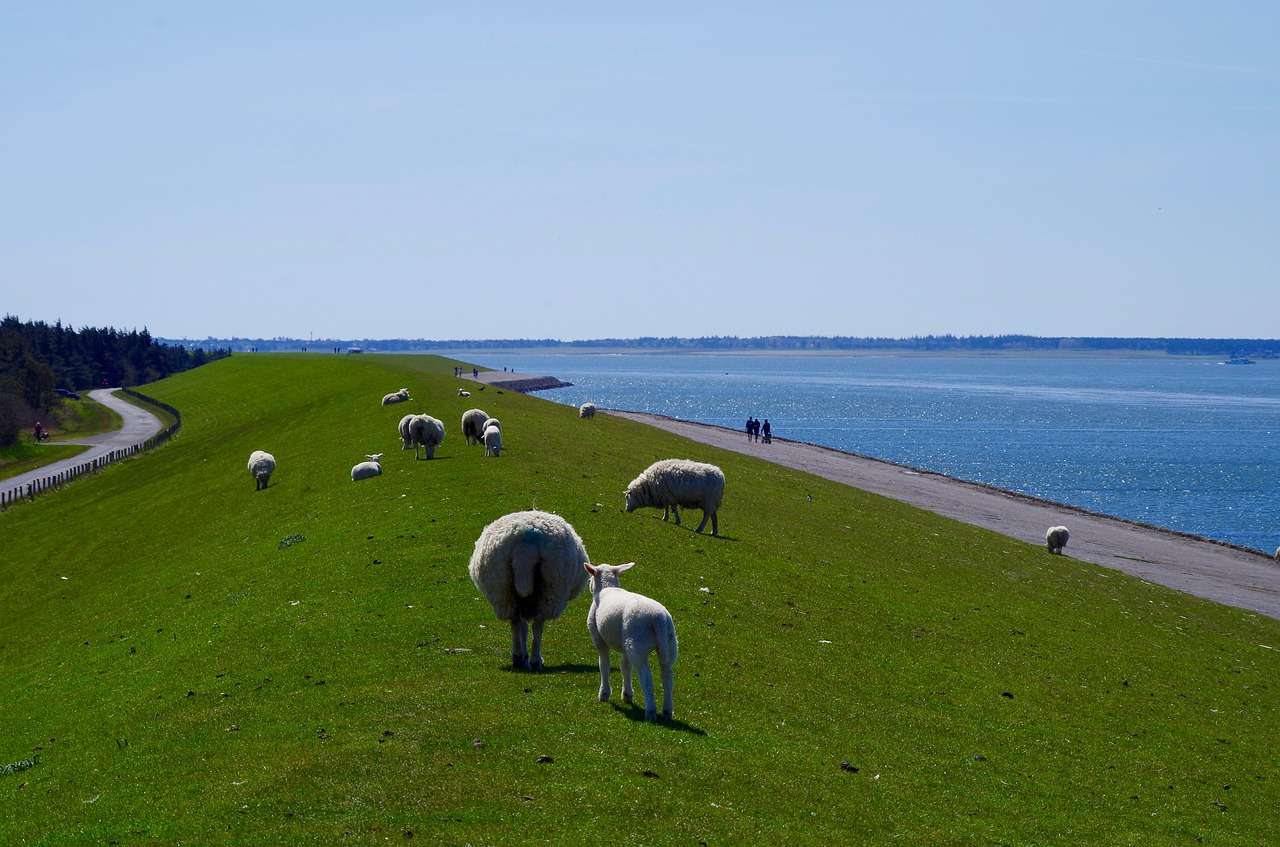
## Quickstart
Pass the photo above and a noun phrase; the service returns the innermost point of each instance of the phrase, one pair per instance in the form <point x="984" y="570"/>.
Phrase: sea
<point x="1190" y="444"/>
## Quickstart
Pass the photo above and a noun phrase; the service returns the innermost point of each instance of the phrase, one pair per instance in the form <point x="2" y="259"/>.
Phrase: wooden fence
<point x="52" y="481"/>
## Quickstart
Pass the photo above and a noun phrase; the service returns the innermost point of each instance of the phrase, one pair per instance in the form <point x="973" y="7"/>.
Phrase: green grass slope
<point x="185" y="660"/>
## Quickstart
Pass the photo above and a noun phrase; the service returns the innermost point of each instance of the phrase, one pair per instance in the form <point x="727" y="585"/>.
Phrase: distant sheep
<point x="398" y="397"/>
<point x="1056" y="538"/>
<point x="492" y="441"/>
<point x="672" y="483"/>
<point x="528" y="565"/>
<point x="368" y="469"/>
<point x="473" y="425"/>
<point x="261" y="466"/>
<point x="462" y="392"/>
<point x="587" y="410"/>
<point x="635" y="626"/>
<point x="427" y="432"/>
<point x="406" y="441"/>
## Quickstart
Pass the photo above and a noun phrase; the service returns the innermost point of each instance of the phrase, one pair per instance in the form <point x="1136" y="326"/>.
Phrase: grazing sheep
<point x="528" y="565"/>
<point x="368" y="469"/>
<point x="1056" y="538"/>
<point x="587" y="410"/>
<point x="488" y="422"/>
<point x="261" y="466"/>
<point x="426" y="431"/>
<point x="672" y="483"/>
<point x="635" y="626"/>
<point x="405" y="440"/>
<point x="492" y="441"/>
<point x="462" y="392"/>
<point x="398" y="397"/>
<point x="473" y="425"/>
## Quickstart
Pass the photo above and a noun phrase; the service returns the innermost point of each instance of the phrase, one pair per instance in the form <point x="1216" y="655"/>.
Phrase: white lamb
<point x="492" y="441"/>
<point x="672" y="483"/>
<point x="473" y="425"/>
<point x="462" y="392"/>
<point x="587" y="410"/>
<point x="426" y="431"/>
<point x="398" y="397"/>
<point x="635" y="626"/>
<point x="1055" y="538"/>
<point x="261" y="466"/>
<point x="368" y="469"/>
<point x="488" y="422"/>
<point x="528" y="565"/>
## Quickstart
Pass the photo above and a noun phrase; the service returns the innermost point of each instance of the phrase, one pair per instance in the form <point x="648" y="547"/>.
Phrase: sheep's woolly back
<point x="405" y="438"/>
<point x="473" y="424"/>
<point x="1056" y="538"/>
<point x="365" y="470"/>
<point x="677" y="482"/>
<point x="261" y="461"/>
<point x="425" y="430"/>
<point x="529" y="565"/>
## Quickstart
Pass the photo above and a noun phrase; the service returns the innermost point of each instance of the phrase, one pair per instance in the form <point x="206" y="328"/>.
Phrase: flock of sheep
<point x="529" y="565"/>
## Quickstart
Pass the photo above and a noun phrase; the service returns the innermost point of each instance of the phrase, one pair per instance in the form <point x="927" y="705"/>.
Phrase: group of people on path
<point x="757" y="431"/>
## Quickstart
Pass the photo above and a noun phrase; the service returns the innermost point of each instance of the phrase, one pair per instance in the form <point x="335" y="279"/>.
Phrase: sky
<point x="582" y="170"/>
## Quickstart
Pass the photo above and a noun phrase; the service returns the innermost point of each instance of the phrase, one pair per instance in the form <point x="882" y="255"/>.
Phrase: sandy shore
<point x="1216" y="571"/>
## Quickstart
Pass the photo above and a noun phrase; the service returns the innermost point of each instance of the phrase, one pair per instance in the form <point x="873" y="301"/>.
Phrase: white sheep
<point x="1055" y="538"/>
<point x="473" y="425"/>
<point x="492" y="441"/>
<point x="405" y="440"/>
<point x="488" y="422"/>
<point x="261" y="466"/>
<point x="635" y="626"/>
<point x="398" y="397"/>
<point x="528" y="565"/>
<point x="371" y="468"/>
<point x="672" y="483"/>
<point x="426" y="431"/>
<point x="462" y="392"/>
<point x="587" y="410"/>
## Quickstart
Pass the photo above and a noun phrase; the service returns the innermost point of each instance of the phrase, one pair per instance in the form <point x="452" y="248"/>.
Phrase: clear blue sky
<point x="584" y="170"/>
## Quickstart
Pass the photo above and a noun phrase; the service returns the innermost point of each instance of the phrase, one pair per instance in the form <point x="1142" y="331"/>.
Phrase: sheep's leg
<point x="646" y="687"/>
<point x="605" y="689"/>
<point x="519" y="633"/>
<point x="715" y="524"/>
<point x="535" y="651"/>
<point x="668" y="690"/>
<point x="675" y="510"/>
<point x="628" y="695"/>
<point x="705" y="515"/>
<point x="666" y="513"/>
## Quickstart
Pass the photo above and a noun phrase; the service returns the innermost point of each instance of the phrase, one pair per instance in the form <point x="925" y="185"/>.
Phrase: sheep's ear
<point x="628" y="566"/>
<point x="590" y="569"/>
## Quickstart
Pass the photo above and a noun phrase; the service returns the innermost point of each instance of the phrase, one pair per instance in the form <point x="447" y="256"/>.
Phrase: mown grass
<point x="851" y="669"/>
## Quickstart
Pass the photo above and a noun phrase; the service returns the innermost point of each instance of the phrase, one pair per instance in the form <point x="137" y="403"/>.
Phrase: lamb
<point x="672" y="483"/>
<point x="587" y="410"/>
<point x="492" y="441"/>
<point x="473" y="425"/>
<point x="398" y="397"/>
<point x="462" y="392"/>
<point x="371" y="468"/>
<point x="635" y="626"/>
<point x="1056" y="538"/>
<point x="261" y="466"/>
<point x="426" y="431"/>
<point x="528" y="565"/>
<point x="488" y="422"/>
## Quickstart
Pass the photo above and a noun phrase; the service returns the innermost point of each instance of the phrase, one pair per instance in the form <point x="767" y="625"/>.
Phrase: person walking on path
<point x="768" y="432"/>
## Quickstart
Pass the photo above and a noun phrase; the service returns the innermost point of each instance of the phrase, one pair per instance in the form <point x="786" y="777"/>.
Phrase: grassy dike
<point x="184" y="660"/>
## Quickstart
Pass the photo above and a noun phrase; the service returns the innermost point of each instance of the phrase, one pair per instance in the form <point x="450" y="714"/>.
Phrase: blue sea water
<point x="1183" y="443"/>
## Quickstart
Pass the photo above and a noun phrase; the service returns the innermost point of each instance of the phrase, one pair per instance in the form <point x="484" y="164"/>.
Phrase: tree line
<point x="37" y="358"/>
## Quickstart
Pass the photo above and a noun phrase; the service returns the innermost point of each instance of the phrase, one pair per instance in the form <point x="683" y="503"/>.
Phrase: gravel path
<point x="1217" y="571"/>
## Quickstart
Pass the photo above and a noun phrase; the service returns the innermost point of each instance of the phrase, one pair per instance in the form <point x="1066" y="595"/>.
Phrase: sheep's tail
<point x="524" y="562"/>
<point x="664" y="631"/>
